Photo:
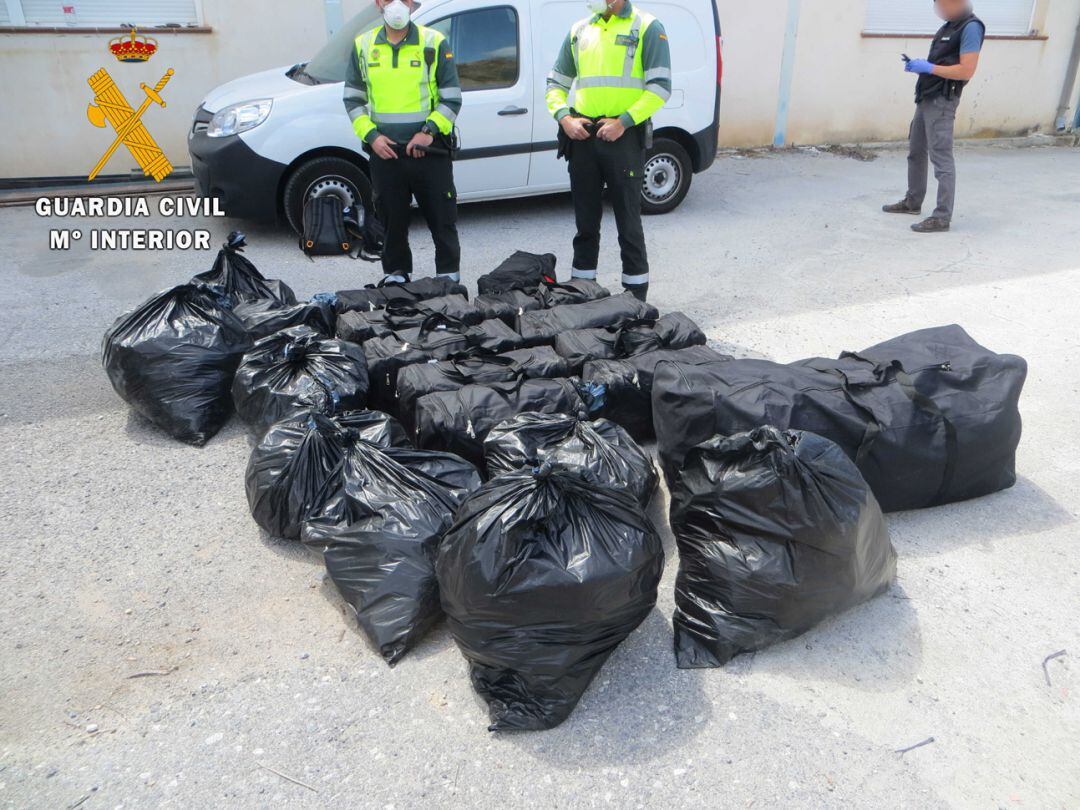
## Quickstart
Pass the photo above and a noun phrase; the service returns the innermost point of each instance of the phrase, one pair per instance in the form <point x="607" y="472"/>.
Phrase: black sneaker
<point x="931" y="225"/>
<point x="902" y="207"/>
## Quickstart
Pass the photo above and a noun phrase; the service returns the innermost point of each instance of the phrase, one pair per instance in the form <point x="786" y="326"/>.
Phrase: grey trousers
<point x="931" y="137"/>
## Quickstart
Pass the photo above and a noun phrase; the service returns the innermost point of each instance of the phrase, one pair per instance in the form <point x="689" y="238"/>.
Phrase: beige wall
<point x="43" y="114"/>
<point x="845" y="88"/>
<point x="849" y="88"/>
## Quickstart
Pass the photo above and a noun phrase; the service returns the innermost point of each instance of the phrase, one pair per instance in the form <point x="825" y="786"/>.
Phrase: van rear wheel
<point x="667" y="176"/>
<point x="323" y="176"/>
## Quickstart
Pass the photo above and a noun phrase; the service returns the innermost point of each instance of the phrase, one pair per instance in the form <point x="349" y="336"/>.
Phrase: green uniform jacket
<point x="444" y="105"/>
<point x="655" y="64"/>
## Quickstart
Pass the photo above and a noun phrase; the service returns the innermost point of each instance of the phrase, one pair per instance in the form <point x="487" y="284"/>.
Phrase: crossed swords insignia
<point x="110" y="107"/>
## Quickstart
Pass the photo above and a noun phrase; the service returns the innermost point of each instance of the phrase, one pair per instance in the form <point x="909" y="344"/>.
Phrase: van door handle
<point x="512" y="110"/>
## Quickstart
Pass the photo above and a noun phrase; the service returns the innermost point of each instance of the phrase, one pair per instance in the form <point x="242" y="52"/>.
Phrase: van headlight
<point x="237" y="118"/>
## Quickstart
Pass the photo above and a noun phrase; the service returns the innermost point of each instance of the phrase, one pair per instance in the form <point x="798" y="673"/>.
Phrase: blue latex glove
<point x="919" y="66"/>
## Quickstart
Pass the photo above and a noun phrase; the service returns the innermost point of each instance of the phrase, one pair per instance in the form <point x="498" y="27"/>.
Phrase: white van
<point x="266" y="143"/>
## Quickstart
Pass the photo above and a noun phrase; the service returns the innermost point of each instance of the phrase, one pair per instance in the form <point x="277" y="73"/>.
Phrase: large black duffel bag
<point x="624" y="387"/>
<point x="671" y="331"/>
<point x="297" y="371"/>
<point x="421" y="379"/>
<point x="929" y="418"/>
<point x="522" y="271"/>
<point x="544" y="325"/>
<point x="234" y="273"/>
<point x="574" y="291"/>
<point x="376" y="296"/>
<point x="438" y="338"/>
<point x="266" y="316"/>
<point x="601" y="448"/>
<point x="542" y="576"/>
<point x="459" y="421"/>
<point x="291" y="470"/>
<point x="506" y="306"/>
<point x="358" y="326"/>
<point x="173" y="358"/>
<point x="380" y="533"/>
<point x="776" y="531"/>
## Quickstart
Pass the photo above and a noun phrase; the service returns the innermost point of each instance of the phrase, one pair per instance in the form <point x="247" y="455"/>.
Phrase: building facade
<point x="795" y="71"/>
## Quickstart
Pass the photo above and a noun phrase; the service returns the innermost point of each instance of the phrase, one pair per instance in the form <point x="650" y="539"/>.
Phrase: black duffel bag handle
<point x="437" y="319"/>
<point x="884" y="372"/>
<point x="463" y="375"/>
<point x="399" y="310"/>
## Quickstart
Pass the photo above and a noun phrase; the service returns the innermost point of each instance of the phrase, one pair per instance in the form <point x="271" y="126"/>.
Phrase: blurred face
<point x="396" y="13"/>
<point x="951" y="9"/>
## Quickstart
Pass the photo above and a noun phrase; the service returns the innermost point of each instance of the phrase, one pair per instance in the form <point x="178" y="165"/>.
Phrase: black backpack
<point x="324" y="227"/>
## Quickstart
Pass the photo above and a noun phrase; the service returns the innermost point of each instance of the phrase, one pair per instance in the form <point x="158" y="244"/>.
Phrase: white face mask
<point x="597" y="6"/>
<point x="396" y="15"/>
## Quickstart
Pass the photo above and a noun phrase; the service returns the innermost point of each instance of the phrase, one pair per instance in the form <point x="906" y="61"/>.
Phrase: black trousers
<point x="430" y="180"/>
<point x="619" y="165"/>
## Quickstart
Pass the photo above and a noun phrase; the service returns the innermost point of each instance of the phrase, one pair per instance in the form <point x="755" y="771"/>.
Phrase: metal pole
<point x="1070" y="83"/>
<point x="787" y="72"/>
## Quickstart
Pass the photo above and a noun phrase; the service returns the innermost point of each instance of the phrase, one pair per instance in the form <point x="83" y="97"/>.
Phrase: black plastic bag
<point x="929" y="418"/>
<point x="542" y="577"/>
<point x="776" y="531"/>
<point x="376" y="296"/>
<point x="380" y="532"/>
<point x="438" y="338"/>
<point x="173" y="358"/>
<point x="240" y="280"/>
<point x="626" y="385"/>
<point x="459" y="421"/>
<point x="291" y="469"/>
<point x="522" y="271"/>
<point x="601" y="447"/>
<point x="359" y="326"/>
<point x="544" y="325"/>
<point x="297" y="371"/>
<point x="575" y="291"/>
<point x="266" y="316"/>
<point x="671" y="331"/>
<point x="420" y="379"/>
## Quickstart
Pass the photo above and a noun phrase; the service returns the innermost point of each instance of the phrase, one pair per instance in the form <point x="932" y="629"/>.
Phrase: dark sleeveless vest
<point x="945" y="50"/>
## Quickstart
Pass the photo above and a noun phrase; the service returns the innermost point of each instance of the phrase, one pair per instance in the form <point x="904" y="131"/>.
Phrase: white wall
<point x="851" y="88"/>
<point x="846" y="87"/>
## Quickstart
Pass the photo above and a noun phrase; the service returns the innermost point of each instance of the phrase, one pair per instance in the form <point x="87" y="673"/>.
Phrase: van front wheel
<point x="667" y="176"/>
<point x="323" y="176"/>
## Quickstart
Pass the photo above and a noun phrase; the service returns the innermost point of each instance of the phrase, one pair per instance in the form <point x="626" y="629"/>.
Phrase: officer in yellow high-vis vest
<point x="402" y="94"/>
<point x="619" y="66"/>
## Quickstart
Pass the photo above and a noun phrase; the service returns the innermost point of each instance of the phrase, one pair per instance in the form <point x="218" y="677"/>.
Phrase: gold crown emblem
<point x="133" y="47"/>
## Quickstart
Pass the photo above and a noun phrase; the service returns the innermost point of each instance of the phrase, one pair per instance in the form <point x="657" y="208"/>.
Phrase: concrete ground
<point x="126" y="553"/>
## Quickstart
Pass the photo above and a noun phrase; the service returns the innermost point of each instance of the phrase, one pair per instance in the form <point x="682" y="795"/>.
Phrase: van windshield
<point x="330" y="63"/>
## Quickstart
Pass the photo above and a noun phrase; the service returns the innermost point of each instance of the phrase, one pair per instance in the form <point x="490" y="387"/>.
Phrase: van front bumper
<point x="227" y="168"/>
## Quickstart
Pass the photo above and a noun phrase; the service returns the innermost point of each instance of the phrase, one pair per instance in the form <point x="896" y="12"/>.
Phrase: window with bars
<point x="1002" y="17"/>
<point x="99" y="13"/>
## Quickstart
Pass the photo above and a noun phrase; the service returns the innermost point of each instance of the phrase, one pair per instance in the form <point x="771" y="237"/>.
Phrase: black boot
<point x="639" y="291"/>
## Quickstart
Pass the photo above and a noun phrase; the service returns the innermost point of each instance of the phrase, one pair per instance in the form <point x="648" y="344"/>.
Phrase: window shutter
<point x="1002" y="17"/>
<point x="141" y="13"/>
